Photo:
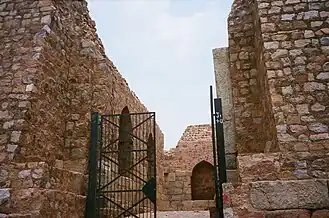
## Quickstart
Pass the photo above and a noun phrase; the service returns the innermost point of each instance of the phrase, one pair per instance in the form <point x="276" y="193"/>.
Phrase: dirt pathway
<point x="179" y="214"/>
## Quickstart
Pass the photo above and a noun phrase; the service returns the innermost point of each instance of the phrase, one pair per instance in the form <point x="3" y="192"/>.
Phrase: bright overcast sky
<point x="164" y="50"/>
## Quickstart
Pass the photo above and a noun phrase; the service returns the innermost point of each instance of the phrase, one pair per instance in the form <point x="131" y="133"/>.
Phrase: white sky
<point x="163" y="48"/>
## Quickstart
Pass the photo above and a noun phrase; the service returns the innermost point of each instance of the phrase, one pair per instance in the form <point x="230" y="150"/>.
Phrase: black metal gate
<point x="122" y="166"/>
<point x="218" y="150"/>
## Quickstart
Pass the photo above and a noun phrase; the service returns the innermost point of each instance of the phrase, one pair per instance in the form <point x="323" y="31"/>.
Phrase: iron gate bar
<point x="154" y="167"/>
<point x="131" y="114"/>
<point x="125" y="210"/>
<point x="126" y="171"/>
<point x="114" y="124"/>
<point x="116" y="191"/>
<point x="133" y="206"/>
<point x="139" y="124"/>
<point x="143" y="122"/>
<point x="122" y="208"/>
<point x="116" y="151"/>
<point x="109" y="145"/>
<point x="220" y="147"/>
<point x="132" y="135"/>
<point x="218" y="200"/>
<point x="220" y="140"/>
<point x="99" y="166"/>
<point x="111" y="200"/>
<point x="91" y="202"/>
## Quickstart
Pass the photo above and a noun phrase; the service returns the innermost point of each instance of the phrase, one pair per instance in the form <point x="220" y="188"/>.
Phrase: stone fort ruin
<point x="273" y="78"/>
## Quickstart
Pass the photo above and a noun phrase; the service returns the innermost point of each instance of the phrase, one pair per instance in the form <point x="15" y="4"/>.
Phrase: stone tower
<point x="278" y="58"/>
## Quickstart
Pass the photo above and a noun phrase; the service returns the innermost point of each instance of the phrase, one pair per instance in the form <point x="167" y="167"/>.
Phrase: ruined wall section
<point x="54" y="73"/>
<point x="292" y="43"/>
<point x="194" y="146"/>
<point x="18" y="58"/>
<point x="76" y="78"/>
<point x="295" y="36"/>
<point x="246" y="88"/>
<point x="28" y="186"/>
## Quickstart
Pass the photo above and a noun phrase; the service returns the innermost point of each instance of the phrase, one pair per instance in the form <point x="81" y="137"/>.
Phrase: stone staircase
<point x="34" y="189"/>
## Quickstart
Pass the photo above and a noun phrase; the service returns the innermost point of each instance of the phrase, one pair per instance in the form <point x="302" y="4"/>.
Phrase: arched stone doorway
<point x="202" y="181"/>
<point x="125" y="142"/>
<point x="150" y="156"/>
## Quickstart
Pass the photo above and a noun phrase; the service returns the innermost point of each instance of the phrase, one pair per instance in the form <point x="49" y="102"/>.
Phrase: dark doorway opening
<point x="202" y="181"/>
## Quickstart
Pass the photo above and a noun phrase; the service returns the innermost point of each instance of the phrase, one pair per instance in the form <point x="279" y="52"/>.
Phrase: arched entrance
<point x="125" y="142"/>
<point x="150" y="156"/>
<point x="202" y="181"/>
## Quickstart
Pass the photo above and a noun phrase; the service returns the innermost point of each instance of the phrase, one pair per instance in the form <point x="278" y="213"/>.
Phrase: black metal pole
<point x="218" y="200"/>
<point x="155" y="164"/>
<point x="220" y="139"/>
<point x="220" y="150"/>
<point x="91" y="203"/>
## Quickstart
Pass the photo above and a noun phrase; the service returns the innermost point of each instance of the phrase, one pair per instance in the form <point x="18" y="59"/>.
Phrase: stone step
<point x="188" y="205"/>
<point x="306" y="194"/>
<point x="41" y="175"/>
<point x="199" y="205"/>
<point x="50" y="203"/>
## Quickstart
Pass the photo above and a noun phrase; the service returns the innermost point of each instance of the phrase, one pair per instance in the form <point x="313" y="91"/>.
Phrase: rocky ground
<point x="179" y="214"/>
<point x="183" y="214"/>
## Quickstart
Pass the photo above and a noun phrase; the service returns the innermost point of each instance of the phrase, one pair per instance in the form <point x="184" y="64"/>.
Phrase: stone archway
<point x="150" y="156"/>
<point x="202" y="181"/>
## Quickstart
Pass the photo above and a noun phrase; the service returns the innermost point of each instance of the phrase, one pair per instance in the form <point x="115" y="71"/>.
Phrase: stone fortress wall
<point x="278" y="66"/>
<point x="54" y="72"/>
<point x="273" y="79"/>
<point x="188" y="168"/>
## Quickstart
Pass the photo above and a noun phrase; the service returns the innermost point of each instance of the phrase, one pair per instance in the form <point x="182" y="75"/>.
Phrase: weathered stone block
<point x="48" y="202"/>
<point x="288" y="214"/>
<point x="258" y="167"/>
<point x="235" y="194"/>
<point x="320" y="214"/>
<point x="245" y="212"/>
<point x="282" y="195"/>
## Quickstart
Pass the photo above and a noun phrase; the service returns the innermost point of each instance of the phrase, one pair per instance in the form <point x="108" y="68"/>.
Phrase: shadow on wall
<point x="202" y="181"/>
